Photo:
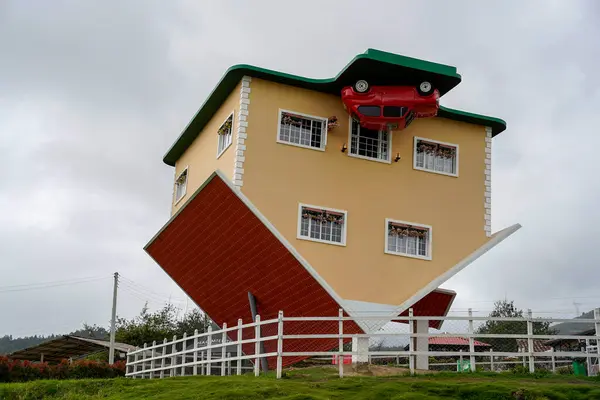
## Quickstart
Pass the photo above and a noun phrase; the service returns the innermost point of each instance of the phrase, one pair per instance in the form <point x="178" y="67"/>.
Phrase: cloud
<point x="93" y="94"/>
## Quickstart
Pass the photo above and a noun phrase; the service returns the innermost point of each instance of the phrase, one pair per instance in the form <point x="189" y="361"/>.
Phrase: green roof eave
<point x="498" y="125"/>
<point x="377" y="67"/>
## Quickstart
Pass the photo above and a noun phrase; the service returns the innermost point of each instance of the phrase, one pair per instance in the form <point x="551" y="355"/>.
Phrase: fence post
<point x="530" y="347"/>
<point x="163" y="360"/>
<point x="459" y="367"/>
<point x="202" y="366"/>
<point x="223" y="348"/>
<point x="184" y="355"/>
<point x="257" y="345"/>
<point x="195" y="359"/>
<point x="136" y="357"/>
<point x="472" y="365"/>
<point x="228" y="363"/>
<point x="491" y="360"/>
<point x="553" y="362"/>
<point x="173" y="357"/>
<point x="127" y="366"/>
<point x="341" y="343"/>
<point x="597" y="324"/>
<point x="279" y="344"/>
<point x="238" y="367"/>
<point x="153" y="361"/>
<point x="209" y="352"/>
<point x="144" y="361"/>
<point x="411" y="342"/>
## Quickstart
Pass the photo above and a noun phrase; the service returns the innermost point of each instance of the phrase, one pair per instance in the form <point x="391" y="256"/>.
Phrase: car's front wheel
<point x="425" y="88"/>
<point x="361" y="86"/>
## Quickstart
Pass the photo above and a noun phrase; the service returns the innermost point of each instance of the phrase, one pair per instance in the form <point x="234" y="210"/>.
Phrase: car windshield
<point x="370" y="111"/>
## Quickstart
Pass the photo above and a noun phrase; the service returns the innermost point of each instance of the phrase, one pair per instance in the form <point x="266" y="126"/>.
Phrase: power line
<point x="149" y="292"/>
<point x="45" y="285"/>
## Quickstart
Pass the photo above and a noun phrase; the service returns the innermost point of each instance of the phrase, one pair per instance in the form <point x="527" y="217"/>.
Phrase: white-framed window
<point x="181" y="185"/>
<point x="225" y="133"/>
<point x="434" y="156"/>
<point x="302" y="130"/>
<point x="408" y="239"/>
<point x="321" y="224"/>
<point x="368" y="143"/>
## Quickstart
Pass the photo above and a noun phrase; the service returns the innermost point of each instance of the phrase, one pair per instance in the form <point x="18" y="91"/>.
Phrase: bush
<point x="566" y="370"/>
<point x="520" y="370"/>
<point x="22" y="371"/>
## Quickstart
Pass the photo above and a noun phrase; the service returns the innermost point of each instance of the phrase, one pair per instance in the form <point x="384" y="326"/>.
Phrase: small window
<point x="225" y="133"/>
<point x="181" y="185"/>
<point x="433" y="156"/>
<point x="302" y="130"/>
<point x="369" y="143"/>
<point x="407" y="239"/>
<point x="370" y="111"/>
<point x="322" y="225"/>
<point x="393" y="111"/>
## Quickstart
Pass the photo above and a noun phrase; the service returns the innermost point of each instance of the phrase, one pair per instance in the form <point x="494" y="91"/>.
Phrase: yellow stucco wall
<point x="277" y="177"/>
<point x="201" y="157"/>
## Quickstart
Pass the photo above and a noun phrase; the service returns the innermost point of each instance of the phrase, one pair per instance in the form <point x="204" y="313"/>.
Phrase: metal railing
<point x="214" y="353"/>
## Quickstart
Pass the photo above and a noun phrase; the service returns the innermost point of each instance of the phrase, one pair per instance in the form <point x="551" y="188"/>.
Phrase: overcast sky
<point x="92" y="94"/>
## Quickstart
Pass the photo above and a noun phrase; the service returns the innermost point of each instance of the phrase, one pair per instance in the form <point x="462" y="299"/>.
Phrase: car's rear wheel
<point x="361" y="86"/>
<point x="425" y="88"/>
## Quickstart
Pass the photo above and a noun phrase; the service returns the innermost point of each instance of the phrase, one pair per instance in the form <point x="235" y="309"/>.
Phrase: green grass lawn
<point x="315" y="383"/>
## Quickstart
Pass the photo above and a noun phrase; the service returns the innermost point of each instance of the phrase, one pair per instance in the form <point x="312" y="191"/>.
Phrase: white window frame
<point x="344" y="228"/>
<point x="416" y="140"/>
<point x="221" y="151"/>
<point x="324" y="130"/>
<point x="428" y="257"/>
<point x="187" y="179"/>
<point x="389" y="155"/>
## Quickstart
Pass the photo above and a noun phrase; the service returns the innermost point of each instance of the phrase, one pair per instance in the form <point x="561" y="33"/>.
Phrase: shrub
<point x="566" y="370"/>
<point x="22" y="371"/>
<point x="520" y="370"/>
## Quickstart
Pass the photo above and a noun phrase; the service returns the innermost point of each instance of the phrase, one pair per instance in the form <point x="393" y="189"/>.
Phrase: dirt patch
<point x="382" y="370"/>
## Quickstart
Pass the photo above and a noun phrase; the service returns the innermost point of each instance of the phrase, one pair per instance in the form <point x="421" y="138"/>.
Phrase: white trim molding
<point x="241" y="133"/>
<point x="351" y="121"/>
<point x="417" y="138"/>
<point x="495" y="239"/>
<point x="333" y="210"/>
<point x="429" y="249"/>
<point x="323" y="121"/>
<point x="227" y="145"/>
<point x="487" y="201"/>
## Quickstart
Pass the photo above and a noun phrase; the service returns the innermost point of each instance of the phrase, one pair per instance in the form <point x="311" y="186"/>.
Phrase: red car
<point x="393" y="107"/>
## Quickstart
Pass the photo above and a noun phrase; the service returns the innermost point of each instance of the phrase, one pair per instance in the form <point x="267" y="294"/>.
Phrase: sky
<point x="92" y="94"/>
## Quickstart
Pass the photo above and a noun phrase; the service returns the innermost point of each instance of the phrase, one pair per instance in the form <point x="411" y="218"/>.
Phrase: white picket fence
<point x="213" y="353"/>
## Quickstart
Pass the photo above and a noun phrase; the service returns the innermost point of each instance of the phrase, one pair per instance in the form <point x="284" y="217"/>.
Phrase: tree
<point x="164" y="323"/>
<point x="92" y="332"/>
<point x="505" y="308"/>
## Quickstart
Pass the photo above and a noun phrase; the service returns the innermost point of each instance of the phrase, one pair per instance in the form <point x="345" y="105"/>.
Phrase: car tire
<point x="425" y="88"/>
<point x="361" y="86"/>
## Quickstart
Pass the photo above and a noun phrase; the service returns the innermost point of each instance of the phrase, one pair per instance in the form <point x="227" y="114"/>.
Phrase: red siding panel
<point x="217" y="250"/>
<point x="435" y="304"/>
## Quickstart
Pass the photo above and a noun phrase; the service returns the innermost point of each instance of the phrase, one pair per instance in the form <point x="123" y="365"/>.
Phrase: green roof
<point x="375" y="66"/>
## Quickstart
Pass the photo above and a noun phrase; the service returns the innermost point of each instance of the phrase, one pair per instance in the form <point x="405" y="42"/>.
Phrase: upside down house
<point x="359" y="192"/>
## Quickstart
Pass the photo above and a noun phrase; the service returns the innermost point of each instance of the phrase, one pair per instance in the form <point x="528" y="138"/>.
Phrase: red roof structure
<point x="218" y="249"/>
<point x="435" y="304"/>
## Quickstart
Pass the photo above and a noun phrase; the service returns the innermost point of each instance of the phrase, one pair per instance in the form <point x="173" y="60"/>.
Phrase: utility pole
<point x="111" y="349"/>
